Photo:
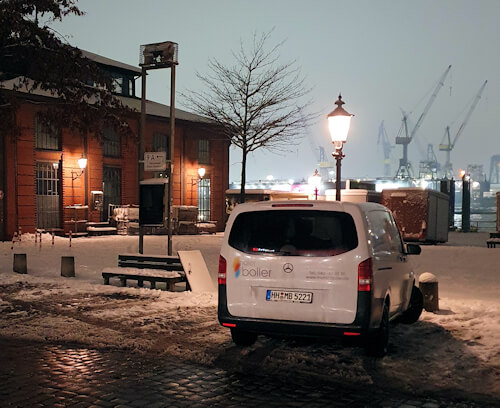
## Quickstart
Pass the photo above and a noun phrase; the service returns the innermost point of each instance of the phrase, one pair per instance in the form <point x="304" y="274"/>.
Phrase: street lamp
<point x="315" y="182"/>
<point x="339" y="121"/>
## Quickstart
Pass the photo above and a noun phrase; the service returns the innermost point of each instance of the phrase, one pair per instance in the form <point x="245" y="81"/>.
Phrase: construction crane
<point x="405" y="171"/>
<point x="387" y="147"/>
<point x="447" y="145"/>
<point x="429" y="168"/>
<point x="325" y="166"/>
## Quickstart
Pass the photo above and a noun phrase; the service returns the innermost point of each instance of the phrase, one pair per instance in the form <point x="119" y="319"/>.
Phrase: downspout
<point x="3" y="185"/>
<point x="183" y="168"/>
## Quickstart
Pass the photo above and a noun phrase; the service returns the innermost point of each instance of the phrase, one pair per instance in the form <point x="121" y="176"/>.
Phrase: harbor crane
<point x="447" y="145"/>
<point x="404" y="137"/>
<point x="386" y="148"/>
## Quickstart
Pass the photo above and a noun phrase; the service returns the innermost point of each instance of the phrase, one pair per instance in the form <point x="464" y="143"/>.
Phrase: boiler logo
<point x="236" y="267"/>
<point x="249" y="270"/>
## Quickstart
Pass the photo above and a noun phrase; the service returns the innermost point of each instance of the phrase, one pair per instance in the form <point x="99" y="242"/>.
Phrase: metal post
<point x="465" y="203"/>
<point x="142" y="128"/>
<point x="171" y="158"/>
<point x="339" y="155"/>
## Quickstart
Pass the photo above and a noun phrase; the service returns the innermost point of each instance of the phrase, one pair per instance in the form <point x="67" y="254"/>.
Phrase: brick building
<point x="43" y="187"/>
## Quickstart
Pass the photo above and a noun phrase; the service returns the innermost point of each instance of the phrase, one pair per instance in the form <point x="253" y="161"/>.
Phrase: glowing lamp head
<point x="201" y="172"/>
<point x="82" y="162"/>
<point x="315" y="179"/>
<point x="339" y="121"/>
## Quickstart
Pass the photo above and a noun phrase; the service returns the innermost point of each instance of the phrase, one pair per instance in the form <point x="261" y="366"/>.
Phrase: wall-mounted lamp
<point x="82" y="163"/>
<point x="55" y="165"/>
<point x="201" y="173"/>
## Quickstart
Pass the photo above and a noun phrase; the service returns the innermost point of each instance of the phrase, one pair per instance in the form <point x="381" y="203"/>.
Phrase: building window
<point x="122" y="84"/>
<point x="47" y="196"/>
<point x="161" y="143"/>
<point x="46" y="136"/>
<point x="203" y="151"/>
<point x="111" y="146"/>
<point x="204" y="200"/>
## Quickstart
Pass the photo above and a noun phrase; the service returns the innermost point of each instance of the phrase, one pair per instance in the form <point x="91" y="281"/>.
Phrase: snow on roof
<point x="152" y="108"/>
<point x="110" y="62"/>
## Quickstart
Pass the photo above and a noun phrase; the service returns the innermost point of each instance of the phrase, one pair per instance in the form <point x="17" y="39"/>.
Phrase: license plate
<point x="289" y="296"/>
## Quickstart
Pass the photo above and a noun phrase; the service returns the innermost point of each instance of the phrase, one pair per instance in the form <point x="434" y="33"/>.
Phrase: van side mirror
<point x="413" y="249"/>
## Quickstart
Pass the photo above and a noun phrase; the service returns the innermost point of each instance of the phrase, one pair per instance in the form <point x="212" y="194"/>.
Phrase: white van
<point x="315" y="268"/>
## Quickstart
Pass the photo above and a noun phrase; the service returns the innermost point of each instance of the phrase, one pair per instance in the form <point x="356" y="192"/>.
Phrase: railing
<point x="481" y="221"/>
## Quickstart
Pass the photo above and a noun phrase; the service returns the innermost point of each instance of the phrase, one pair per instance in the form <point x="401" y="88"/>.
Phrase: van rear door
<point x="293" y="264"/>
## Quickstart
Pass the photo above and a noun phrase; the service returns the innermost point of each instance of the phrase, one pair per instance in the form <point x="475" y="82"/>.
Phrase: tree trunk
<point x="243" y="175"/>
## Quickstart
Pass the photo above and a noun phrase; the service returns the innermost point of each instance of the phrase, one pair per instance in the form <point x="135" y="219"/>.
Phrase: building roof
<point x="160" y="110"/>
<point x="110" y="62"/>
<point x="152" y="108"/>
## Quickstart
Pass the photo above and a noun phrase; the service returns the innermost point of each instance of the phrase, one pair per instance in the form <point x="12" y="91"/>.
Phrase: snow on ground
<point x="457" y="348"/>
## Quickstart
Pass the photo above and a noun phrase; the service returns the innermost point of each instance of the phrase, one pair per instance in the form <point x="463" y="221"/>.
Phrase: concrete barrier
<point x="428" y="285"/>
<point x="68" y="266"/>
<point x="20" y="264"/>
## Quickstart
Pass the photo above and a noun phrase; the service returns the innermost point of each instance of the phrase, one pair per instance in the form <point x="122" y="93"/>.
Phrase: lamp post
<point x="315" y="182"/>
<point x="339" y="121"/>
<point x="465" y="201"/>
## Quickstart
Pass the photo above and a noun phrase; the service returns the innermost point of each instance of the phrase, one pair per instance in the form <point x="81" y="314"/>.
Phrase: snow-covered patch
<point x="455" y="348"/>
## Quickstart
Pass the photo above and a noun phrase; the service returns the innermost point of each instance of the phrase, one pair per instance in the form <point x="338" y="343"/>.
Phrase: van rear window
<point x="294" y="232"/>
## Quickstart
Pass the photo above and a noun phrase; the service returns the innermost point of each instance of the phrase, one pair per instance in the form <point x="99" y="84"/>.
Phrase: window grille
<point x="204" y="200"/>
<point x="203" y="151"/>
<point x="46" y="136"/>
<point x="111" y="146"/>
<point x="47" y="196"/>
<point x="161" y="143"/>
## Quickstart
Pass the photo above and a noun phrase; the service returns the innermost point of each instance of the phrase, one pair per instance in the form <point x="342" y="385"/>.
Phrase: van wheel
<point x="243" y="338"/>
<point x="415" y="307"/>
<point x="376" y="343"/>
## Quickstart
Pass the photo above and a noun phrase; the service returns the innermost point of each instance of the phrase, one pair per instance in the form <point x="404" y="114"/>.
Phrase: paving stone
<point x="68" y="376"/>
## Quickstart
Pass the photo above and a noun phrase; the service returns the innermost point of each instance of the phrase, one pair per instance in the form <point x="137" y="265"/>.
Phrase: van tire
<point x="243" y="338"/>
<point x="376" y="343"/>
<point x="412" y="314"/>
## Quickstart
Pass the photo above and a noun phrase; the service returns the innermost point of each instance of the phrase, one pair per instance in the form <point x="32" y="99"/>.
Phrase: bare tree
<point x="257" y="102"/>
<point x="36" y="57"/>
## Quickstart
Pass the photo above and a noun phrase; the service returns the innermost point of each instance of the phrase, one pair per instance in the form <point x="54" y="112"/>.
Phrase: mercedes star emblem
<point x="288" y="267"/>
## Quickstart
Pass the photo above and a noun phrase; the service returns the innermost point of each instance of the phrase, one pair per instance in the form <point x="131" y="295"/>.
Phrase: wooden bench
<point x="493" y="242"/>
<point x="151" y="268"/>
<point x="166" y="262"/>
<point x="140" y="275"/>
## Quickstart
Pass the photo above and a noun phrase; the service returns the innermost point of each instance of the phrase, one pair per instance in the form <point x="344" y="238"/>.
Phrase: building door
<point x="111" y="188"/>
<point x="47" y="196"/>
<point x="204" y="200"/>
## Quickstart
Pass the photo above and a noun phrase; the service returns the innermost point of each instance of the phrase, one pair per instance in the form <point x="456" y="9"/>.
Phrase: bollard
<point x="428" y="285"/>
<point x="53" y="238"/>
<point x="20" y="263"/>
<point x="68" y="266"/>
<point x="70" y="233"/>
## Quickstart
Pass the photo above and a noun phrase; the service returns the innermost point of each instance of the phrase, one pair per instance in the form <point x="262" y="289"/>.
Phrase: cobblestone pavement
<point x="58" y="375"/>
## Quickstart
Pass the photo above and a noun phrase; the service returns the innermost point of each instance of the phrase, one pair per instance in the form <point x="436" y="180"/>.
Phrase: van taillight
<point x="222" y="270"/>
<point x="365" y="275"/>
